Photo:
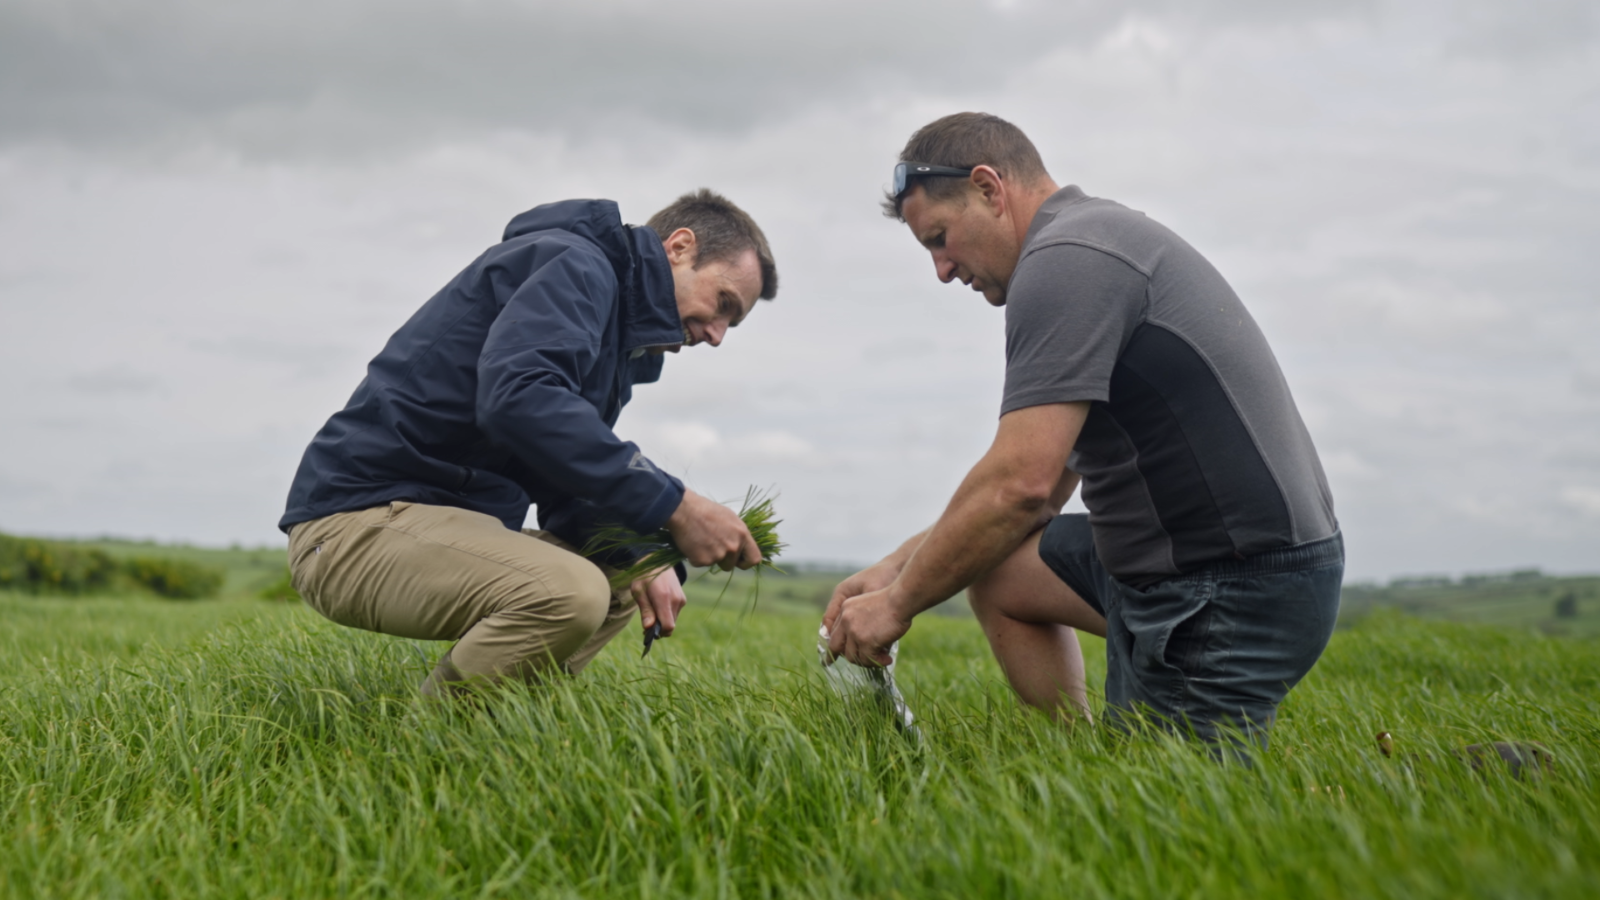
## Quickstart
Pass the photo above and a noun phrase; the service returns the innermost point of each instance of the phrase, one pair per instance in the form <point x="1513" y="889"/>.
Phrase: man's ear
<point x="681" y="246"/>
<point x="989" y="187"/>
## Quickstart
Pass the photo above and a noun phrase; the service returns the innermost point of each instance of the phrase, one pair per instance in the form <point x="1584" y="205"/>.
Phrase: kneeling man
<point x="406" y="514"/>
<point x="1210" y="559"/>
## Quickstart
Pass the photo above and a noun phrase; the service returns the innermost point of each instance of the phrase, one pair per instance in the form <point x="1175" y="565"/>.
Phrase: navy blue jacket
<point x="503" y="388"/>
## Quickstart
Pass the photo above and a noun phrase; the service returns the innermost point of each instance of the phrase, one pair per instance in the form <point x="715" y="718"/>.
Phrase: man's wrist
<point x="679" y="512"/>
<point x="902" y="603"/>
<point x="890" y="568"/>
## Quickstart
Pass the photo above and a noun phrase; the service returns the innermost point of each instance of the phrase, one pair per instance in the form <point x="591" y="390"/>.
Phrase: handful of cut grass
<point x="657" y="551"/>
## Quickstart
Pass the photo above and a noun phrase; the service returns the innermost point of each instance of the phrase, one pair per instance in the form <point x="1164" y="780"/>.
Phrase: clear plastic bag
<point x="877" y="684"/>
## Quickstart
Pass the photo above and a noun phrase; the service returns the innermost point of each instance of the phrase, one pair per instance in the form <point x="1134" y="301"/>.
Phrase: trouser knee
<point x="591" y="601"/>
<point x="578" y="602"/>
<point x="540" y="624"/>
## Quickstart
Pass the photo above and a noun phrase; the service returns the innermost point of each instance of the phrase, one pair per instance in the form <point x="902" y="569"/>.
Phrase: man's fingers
<point x="666" y="613"/>
<point x="844" y="591"/>
<point x="749" y="552"/>
<point x="666" y="618"/>
<point x="665" y="597"/>
<point x="647" y="613"/>
<point x="831" y="614"/>
<point x="866" y="656"/>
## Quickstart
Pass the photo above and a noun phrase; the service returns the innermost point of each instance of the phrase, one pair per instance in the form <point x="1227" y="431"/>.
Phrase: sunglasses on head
<point x="904" y="172"/>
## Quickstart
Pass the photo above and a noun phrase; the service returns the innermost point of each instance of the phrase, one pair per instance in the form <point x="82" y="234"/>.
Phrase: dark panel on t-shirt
<point x="1192" y="448"/>
<point x="1127" y="529"/>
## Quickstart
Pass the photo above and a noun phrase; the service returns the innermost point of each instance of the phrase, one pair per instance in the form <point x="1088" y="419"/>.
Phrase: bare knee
<point x="988" y="595"/>
<point x="981" y="597"/>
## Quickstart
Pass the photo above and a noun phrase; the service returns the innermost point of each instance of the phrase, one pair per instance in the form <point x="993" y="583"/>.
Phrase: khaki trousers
<point x="517" y="604"/>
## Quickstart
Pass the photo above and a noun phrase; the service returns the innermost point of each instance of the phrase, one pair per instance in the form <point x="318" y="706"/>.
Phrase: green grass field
<point x="240" y="747"/>
<point x="1558" y="606"/>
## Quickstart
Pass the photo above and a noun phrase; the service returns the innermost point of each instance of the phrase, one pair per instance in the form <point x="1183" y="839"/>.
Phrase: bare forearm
<point x="984" y="523"/>
<point x="1063" y="492"/>
<point x="1058" y="498"/>
<point x="1018" y="485"/>
<point x="898" y="559"/>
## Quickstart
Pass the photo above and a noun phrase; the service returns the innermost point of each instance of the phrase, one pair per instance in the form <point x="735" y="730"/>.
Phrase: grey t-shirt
<point x="1193" y="451"/>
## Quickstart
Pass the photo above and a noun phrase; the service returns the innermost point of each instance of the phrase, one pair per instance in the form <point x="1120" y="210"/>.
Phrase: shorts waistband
<point x="1310" y="555"/>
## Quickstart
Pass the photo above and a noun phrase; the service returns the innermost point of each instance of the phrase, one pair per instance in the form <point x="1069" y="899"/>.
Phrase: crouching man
<point x="1210" y="559"/>
<point x="406" y="514"/>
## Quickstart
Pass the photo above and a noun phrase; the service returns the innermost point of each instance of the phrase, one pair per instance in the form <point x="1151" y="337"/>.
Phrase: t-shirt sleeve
<point x="1069" y="311"/>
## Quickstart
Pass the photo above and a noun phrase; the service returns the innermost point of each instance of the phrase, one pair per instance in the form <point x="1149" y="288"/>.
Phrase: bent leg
<point x="1214" y="652"/>
<point x="618" y="615"/>
<point x="515" y="605"/>
<point x="1029" y="615"/>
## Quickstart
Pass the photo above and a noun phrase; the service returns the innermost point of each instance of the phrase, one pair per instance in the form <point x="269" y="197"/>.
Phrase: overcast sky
<point x="213" y="214"/>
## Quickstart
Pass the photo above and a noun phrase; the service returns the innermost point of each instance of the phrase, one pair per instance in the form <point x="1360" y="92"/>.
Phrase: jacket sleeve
<point x="546" y="339"/>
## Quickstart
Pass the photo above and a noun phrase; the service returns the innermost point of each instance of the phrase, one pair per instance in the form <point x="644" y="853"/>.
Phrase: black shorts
<point x="1215" y="648"/>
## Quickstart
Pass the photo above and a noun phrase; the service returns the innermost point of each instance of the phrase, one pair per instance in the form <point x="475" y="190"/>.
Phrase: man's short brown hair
<point x="722" y="233"/>
<point x="964" y="140"/>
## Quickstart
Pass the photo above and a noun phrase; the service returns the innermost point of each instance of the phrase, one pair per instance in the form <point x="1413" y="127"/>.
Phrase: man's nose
<point x="714" y="333"/>
<point x="944" y="268"/>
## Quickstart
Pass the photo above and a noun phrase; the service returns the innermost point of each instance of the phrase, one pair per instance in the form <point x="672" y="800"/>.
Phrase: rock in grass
<point x="1524" y="758"/>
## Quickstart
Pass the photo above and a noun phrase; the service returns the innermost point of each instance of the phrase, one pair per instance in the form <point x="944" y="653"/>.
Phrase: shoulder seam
<point x="1090" y="245"/>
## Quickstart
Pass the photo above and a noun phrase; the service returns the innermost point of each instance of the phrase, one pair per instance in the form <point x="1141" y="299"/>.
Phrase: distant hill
<point x="1525" y="598"/>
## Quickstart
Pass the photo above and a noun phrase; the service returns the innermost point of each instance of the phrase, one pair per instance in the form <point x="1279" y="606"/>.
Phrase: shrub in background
<point x="281" y="590"/>
<point x="33" y="566"/>
<point x="49" y="567"/>
<point x="172" y="578"/>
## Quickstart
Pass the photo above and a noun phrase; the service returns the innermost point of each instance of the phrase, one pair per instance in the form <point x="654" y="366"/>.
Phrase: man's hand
<point x="660" y="598"/>
<point x="866" y="626"/>
<point x="709" y="534"/>
<point x="872" y="578"/>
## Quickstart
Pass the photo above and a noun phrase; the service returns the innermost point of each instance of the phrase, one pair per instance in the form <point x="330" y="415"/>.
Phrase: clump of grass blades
<point x="655" y="551"/>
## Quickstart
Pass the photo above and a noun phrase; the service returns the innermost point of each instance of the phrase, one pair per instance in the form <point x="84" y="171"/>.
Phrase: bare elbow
<point x="1026" y="495"/>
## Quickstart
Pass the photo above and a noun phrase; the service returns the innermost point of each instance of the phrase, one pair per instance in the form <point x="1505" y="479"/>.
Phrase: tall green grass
<point x="268" y="753"/>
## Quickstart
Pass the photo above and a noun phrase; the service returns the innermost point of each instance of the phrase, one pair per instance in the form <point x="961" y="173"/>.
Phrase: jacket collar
<point x="649" y="307"/>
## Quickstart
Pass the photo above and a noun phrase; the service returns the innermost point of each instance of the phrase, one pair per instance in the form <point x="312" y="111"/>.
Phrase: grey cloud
<point x="1412" y="229"/>
<point x="14" y="491"/>
<point x="305" y="77"/>
<point x="303" y="357"/>
<point x="112" y="380"/>
<point x="1515" y="32"/>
